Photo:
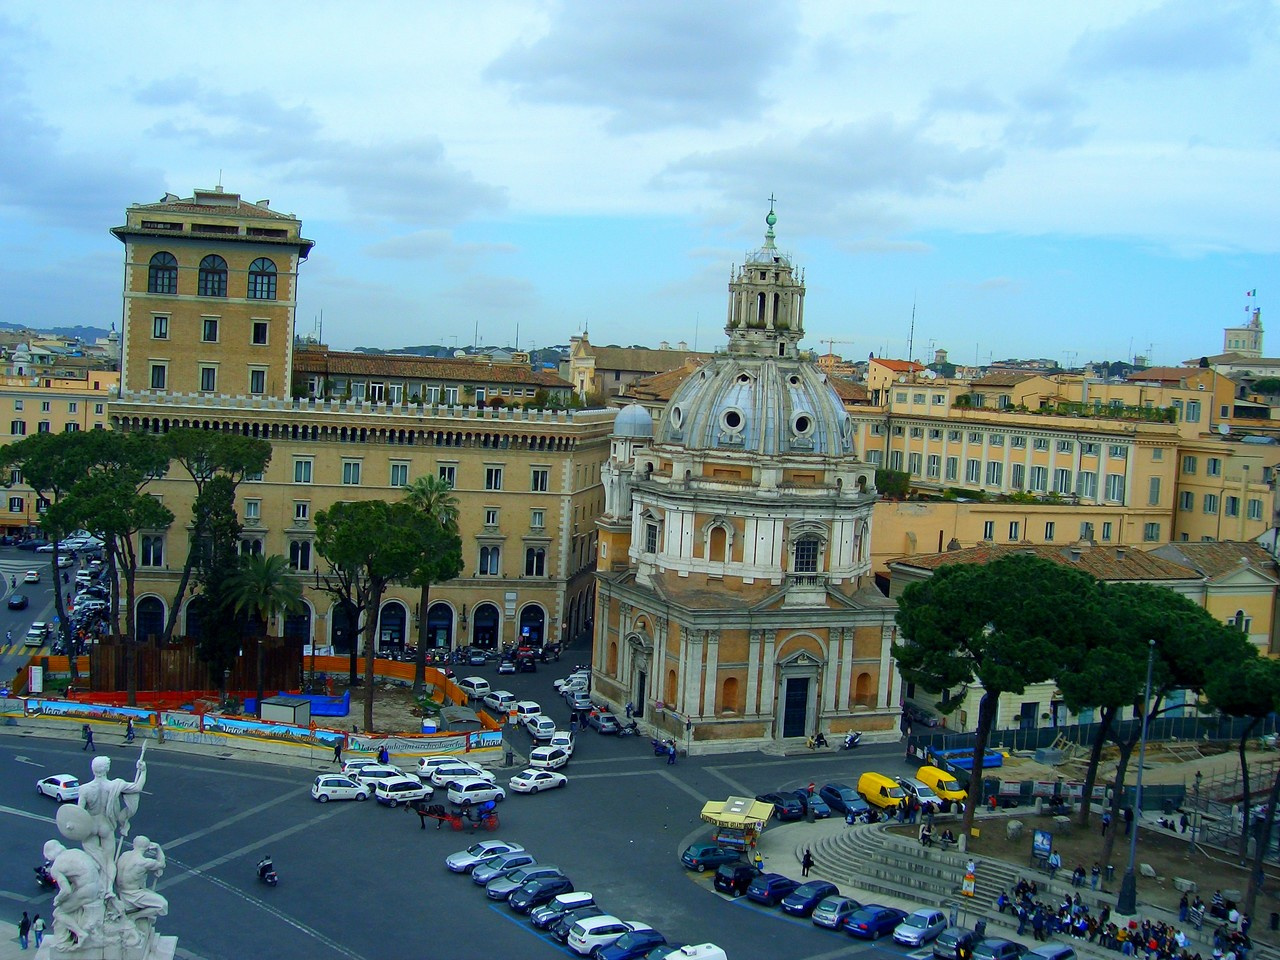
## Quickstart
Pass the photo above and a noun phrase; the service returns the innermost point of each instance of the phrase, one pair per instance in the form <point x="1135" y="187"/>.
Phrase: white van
<point x="539" y="727"/>
<point x="525" y="709"/>
<point x="476" y="688"/>
<point x="698" y="951"/>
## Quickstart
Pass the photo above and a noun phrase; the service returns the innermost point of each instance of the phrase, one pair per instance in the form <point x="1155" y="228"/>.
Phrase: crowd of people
<point x="1151" y="940"/>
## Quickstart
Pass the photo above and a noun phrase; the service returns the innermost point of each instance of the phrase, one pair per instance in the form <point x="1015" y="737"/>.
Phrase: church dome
<point x="766" y="406"/>
<point x="633" y="420"/>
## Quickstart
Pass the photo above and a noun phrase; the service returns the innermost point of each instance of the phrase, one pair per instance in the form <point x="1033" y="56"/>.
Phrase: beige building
<point x="608" y="371"/>
<point x="527" y="481"/>
<point x="735" y="606"/>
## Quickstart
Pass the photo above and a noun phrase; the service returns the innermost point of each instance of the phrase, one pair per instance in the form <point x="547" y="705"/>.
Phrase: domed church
<point x="735" y="604"/>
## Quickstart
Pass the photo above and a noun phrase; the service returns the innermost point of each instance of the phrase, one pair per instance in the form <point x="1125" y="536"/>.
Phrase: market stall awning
<point x="737" y="812"/>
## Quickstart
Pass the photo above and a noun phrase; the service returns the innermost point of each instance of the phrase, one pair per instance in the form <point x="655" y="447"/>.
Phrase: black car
<point x="538" y="891"/>
<point x="32" y="544"/>
<point x="954" y="943"/>
<point x="526" y="665"/>
<point x="701" y="856"/>
<point x="771" y="888"/>
<point x="734" y="878"/>
<point x="477" y="658"/>
<point x="18" y="601"/>
<point x="801" y="901"/>
<point x="842" y="798"/>
<point x="785" y="805"/>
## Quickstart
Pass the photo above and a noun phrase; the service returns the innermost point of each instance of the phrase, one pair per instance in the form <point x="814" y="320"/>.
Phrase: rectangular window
<point x="395" y="393"/>
<point x="399" y="474"/>
<point x="1039" y="479"/>
<point x="71" y="428"/>
<point x="1065" y="446"/>
<point x="1186" y="500"/>
<point x="252" y="511"/>
<point x="15" y="504"/>
<point x="1213" y="467"/>
<point x="1255" y="509"/>
<point x="209" y="329"/>
<point x="1086" y="530"/>
<point x="1040" y="443"/>
<point x="935" y="434"/>
<point x="1087" y="485"/>
<point x="159" y="373"/>
<point x="1019" y="443"/>
<point x="996" y="440"/>
<point x="18" y="428"/>
<point x="1062" y="482"/>
<point x="491" y="516"/>
<point x="537" y="519"/>
<point x="448" y="473"/>
<point x="934" y="470"/>
<point x="152" y="552"/>
<point x="1157" y="454"/>
<point x="493" y="478"/>
<point x="1115" y="488"/>
<point x="975" y="437"/>
<point x="953" y="436"/>
<point x="1014" y="531"/>
<point x="806" y="555"/>
<point x="1231" y="507"/>
<point x="97" y="409"/>
<point x="939" y="399"/>
<point x="159" y="328"/>
<point x="1193" y="411"/>
<point x="1211" y="503"/>
<point x="650" y="538"/>
<point x="539" y="479"/>
<point x="43" y="426"/>
<point x="895" y="459"/>
<point x="302" y="470"/>
<point x="917" y="433"/>
<point x="1018" y="478"/>
<point x="301" y="511"/>
<point x="45" y="406"/>
<point x="989" y="530"/>
<point x="1118" y="451"/>
<point x="259" y="333"/>
<point x="1106" y="530"/>
<point x="900" y="396"/>
<point x="1153" y="493"/>
<point x="1049" y="529"/>
<point x="953" y="468"/>
<point x="897" y="431"/>
<point x="973" y="471"/>
<point x="73" y="407"/>
<point x="917" y="398"/>
<point x="208" y="379"/>
<point x="913" y="464"/>
<point x="451" y="396"/>
<point x="17" y="405"/>
<point x="995" y="473"/>
<point x="1088" y="449"/>
<point x="257" y="381"/>
<point x="351" y="473"/>
<point x="1151" y="532"/>
<point x="875" y="457"/>
<point x="377" y="392"/>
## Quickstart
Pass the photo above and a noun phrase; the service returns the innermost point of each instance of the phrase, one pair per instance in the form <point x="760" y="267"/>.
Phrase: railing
<point x="816" y="581"/>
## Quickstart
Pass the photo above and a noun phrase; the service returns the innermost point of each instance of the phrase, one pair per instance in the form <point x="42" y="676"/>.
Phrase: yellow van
<point x="880" y="791"/>
<point x="944" y="785"/>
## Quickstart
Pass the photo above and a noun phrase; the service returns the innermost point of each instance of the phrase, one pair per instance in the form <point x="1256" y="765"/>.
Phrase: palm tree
<point x="263" y="587"/>
<point x="434" y="498"/>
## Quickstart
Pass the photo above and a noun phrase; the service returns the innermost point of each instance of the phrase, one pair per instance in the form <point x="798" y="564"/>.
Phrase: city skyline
<point x="1084" y="183"/>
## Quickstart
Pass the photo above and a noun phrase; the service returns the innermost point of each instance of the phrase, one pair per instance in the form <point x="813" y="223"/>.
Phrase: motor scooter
<point x="851" y="739"/>
<point x="44" y="879"/>
<point x="628" y="729"/>
<point x="267" y="872"/>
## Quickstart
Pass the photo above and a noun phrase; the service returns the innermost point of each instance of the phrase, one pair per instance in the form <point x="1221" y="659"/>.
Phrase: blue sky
<point x="1078" y="181"/>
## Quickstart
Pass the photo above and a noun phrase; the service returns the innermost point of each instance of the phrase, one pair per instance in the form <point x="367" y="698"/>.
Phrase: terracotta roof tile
<point x="902" y="366"/>
<point x="1214" y="560"/>
<point x="642" y="360"/>
<point x="340" y="363"/>
<point x="661" y="386"/>
<point x="848" y="390"/>
<point x="1164" y="374"/>
<point x="1104" y="563"/>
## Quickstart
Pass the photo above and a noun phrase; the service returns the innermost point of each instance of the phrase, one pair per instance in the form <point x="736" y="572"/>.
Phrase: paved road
<point x="361" y="881"/>
<point x="13" y="564"/>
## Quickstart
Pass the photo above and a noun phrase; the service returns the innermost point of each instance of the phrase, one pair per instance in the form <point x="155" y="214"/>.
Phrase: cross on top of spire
<point x="770" y="220"/>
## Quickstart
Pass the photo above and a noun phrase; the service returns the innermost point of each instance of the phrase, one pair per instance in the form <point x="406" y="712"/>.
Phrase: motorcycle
<point x="44" y="879"/>
<point x="267" y="872"/>
<point x="662" y="747"/>
<point x="628" y="729"/>
<point x="851" y="740"/>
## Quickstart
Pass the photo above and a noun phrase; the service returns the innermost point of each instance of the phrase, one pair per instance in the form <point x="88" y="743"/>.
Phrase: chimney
<point x="1120" y="551"/>
<point x="664" y="345"/>
<point x="264" y="203"/>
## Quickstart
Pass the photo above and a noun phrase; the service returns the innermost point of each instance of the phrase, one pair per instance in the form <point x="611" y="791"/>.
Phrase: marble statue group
<point x="106" y="905"/>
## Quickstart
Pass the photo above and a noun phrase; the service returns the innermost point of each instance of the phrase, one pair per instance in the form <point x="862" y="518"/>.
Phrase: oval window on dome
<point x="802" y="424"/>
<point x="744" y="378"/>
<point x="793" y="380"/>
<point x="677" y="417"/>
<point x="732" y="420"/>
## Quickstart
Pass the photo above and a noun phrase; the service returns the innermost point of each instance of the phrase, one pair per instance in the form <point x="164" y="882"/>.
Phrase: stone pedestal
<point x="157" y="948"/>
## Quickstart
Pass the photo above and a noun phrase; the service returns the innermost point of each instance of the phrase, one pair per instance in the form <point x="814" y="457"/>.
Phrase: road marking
<point x="684" y="786"/>
<point x="15" y="812"/>
<point x="242" y="815"/>
<point x="738" y="789"/>
<point x="27" y="760"/>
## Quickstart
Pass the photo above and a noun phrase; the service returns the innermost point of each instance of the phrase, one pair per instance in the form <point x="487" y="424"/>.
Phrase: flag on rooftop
<point x="1251" y="293"/>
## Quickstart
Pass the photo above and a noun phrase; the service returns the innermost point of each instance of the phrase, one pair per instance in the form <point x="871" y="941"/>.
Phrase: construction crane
<point x="831" y="343"/>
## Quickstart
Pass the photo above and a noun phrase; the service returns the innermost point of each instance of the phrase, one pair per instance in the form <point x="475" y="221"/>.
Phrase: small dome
<point x="633" y="420"/>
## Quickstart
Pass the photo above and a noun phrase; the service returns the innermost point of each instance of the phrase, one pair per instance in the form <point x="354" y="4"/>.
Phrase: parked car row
<point x="543" y="893"/>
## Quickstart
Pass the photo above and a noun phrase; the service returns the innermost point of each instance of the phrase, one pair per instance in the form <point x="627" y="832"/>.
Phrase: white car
<point x="562" y="740"/>
<point x="584" y="675"/>
<point x="464" y="861"/>
<point x="31" y="576"/>
<point x="586" y="935"/>
<point x="370" y="775"/>
<point x="548" y="758"/>
<point x="445" y="772"/>
<point x="471" y="790"/>
<point x="393" y="791"/>
<point x="532" y="781"/>
<point x="540" y="728"/>
<point x="350" y="767"/>
<point x="428" y="764"/>
<point x="65" y="561"/>
<point x="335" y="786"/>
<point x="63" y="787"/>
<point x="500" y="701"/>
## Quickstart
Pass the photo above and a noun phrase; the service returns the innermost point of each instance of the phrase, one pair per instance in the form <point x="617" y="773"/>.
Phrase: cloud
<point x="409" y="181"/>
<point x="434" y="245"/>
<point x="1046" y="119"/>
<point x="972" y="97"/>
<point x="1180" y="36"/>
<point x="659" y="64"/>
<point x="880" y="245"/>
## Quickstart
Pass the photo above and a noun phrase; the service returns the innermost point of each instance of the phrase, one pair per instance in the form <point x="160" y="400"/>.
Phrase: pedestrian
<point x="806" y="863"/>
<point x="1184" y="907"/>
<point x="384" y="755"/>
<point x="1128" y="820"/>
<point x="1095" y="875"/>
<point x="88" y="745"/>
<point x="337" y="751"/>
<point x="671" y="754"/>
<point x="37" y="927"/>
<point x="1183" y="822"/>
<point x="128" y="731"/>
<point x="812" y="788"/>
<point x="1055" y="862"/>
<point x="24" y="930"/>
<point x="631" y="709"/>
<point x="1106" y="821"/>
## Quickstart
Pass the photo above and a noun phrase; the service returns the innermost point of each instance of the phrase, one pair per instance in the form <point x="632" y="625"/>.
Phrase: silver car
<point x="917" y="929"/>
<point x="502" y="887"/>
<point x="503" y="863"/>
<point x="831" y="912"/>
<point x="464" y="861"/>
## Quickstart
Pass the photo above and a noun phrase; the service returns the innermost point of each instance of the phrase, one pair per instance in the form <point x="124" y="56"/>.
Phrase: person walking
<point x="671" y="754"/>
<point x="88" y="745"/>
<point x="631" y="710"/>
<point x="1106" y="821"/>
<point x="1095" y="875"/>
<point x="24" y="930"/>
<point x="384" y="755"/>
<point x="806" y="863"/>
<point x="1128" y="820"/>
<point x="337" y="752"/>
<point x="128" y="731"/>
<point x="37" y="927"/>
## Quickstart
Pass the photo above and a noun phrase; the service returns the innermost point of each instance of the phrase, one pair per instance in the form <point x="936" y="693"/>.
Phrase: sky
<point x="1088" y="180"/>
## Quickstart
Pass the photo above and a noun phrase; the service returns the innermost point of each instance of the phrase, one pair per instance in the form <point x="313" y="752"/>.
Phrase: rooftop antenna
<point x="911" y="337"/>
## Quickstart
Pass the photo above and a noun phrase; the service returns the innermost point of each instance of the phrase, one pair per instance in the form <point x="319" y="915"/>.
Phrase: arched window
<point x="535" y="562"/>
<point x="213" y="276"/>
<point x="716" y="545"/>
<point x="162" y="274"/>
<point x="806" y="560"/>
<point x="300" y="554"/>
<point x="150" y="619"/>
<point x="729" y="696"/>
<point x="611" y="661"/>
<point x="251" y="547"/>
<point x="262" y="279"/>
<point x="760" y="302"/>
<point x="670" y="694"/>
<point x="490" y="558"/>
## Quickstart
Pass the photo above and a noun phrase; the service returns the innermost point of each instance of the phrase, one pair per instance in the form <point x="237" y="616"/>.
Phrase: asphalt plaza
<point x="359" y="880"/>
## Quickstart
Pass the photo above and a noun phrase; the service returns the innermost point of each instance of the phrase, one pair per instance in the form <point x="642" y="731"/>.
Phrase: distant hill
<point x="87" y="334"/>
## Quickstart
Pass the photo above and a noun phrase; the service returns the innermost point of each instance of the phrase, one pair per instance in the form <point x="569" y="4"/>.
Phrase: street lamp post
<point x="1127" y="901"/>
<point x="1195" y="813"/>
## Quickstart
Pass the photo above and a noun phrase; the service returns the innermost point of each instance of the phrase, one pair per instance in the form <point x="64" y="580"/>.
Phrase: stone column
<point x="887" y="634"/>
<point x="711" y="674"/>
<point x="769" y="676"/>
<point x="691" y="670"/>
<point x="752" y="704"/>
<point x="846" y="669"/>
